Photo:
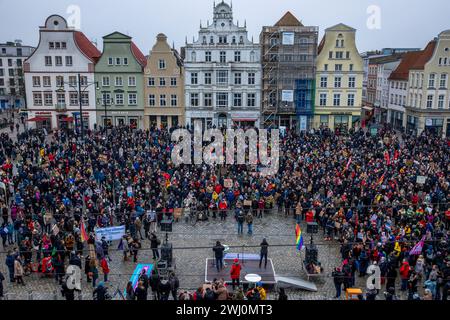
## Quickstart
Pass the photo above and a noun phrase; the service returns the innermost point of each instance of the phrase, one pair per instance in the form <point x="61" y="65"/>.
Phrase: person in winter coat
<point x="130" y="292"/>
<point x="154" y="243"/>
<point x="18" y="271"/>
<point x="235" y="273"/>
<point x="2" y="278"/>
<point x="221" y="292"/>
<point x="174" y="285"/>
<point x="164" y="289"/>
<point x="263" y="254"/>
<point x="141" y="291"/>
<point x="249" y="220"/>
<point x="105" y="268"/>
<point x="154" y="283"/>
<point x="338" y="279"/>
<point x="391" y="277"/>
<point x="10" y="264"/>
<point x="404" y="274"/>
<point x="67" y="293"/>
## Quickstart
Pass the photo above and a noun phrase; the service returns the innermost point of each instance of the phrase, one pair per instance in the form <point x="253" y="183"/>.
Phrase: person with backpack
<point x="338" y="279"/>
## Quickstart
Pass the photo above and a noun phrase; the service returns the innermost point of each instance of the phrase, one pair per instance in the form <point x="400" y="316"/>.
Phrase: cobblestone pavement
<point x="193" y="245"/>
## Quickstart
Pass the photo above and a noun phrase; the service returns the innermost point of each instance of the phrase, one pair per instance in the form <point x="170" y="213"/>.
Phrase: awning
<point x="244" y="120"/>
<point x="37" y="119"/>
<point x="368" y="108"/>
<point x="67" y="119"/>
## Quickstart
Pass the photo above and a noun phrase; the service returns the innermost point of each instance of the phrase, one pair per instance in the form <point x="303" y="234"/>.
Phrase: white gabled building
<point x="51" y="77"/>
<point x="223" y="74"/>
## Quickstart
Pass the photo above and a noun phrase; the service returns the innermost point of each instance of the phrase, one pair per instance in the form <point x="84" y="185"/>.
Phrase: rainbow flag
<point x="84" y="235"/>
<point x="299" y="237"/>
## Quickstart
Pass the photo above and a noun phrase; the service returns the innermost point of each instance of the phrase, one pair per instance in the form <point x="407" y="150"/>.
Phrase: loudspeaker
<point x="166" y="225"/>
<point x="312" y="228"/>
<point x="311" y="254"/>
<point x="166" y="253"/>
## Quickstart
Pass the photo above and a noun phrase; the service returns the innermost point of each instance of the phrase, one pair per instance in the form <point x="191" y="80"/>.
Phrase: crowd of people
<point x="365" y="191"/>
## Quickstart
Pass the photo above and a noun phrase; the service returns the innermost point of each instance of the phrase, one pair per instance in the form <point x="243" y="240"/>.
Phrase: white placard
<point x="287" y="95"/>
<point x="288" y="38"/>
<point x="421" y="179"/>
<point x="429" y="122"/>
<point x="303" y="123"/>
<point x="111" y="234"/>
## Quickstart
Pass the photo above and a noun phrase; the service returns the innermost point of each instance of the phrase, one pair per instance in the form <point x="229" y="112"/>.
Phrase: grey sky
<point x="404" y="23"/>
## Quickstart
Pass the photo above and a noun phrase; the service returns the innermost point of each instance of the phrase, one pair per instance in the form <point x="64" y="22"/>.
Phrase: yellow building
<point x="164" y="86"/>
<point x="339" y="80"/>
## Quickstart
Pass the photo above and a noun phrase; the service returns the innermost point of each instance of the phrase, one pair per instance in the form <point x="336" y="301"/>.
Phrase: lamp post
<point x="81" y="88"/>
<point x="106" y="101"/>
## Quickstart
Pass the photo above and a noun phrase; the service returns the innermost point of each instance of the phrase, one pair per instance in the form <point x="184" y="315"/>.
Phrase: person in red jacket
<point x="105" y="268"/>
<point x="404" y="274"/>
<point x="235" y="273"/>
<point x="310" y="216"/>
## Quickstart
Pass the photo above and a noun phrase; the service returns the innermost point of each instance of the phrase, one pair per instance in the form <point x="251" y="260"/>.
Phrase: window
<point x="173" y="100"/>
<point x="151" y="82"/>
<point x="337" y="82"/>
<point x="151" y="100"/>
<point x="233" y="41"/>
<point x="325" y="67"/>
<point x="222" y="100"/>
<point x="323" y="99"/>
<point x="351" y="82"/>
<point x="173" y="82"/>
<point x="339" y="55"/>
<point x="222" y="77"/>
<point x="351" y="100"/>
<point x="162" y="82"/>
<point x="162" y="64"/>
<point x="73" y="98"/>
<point x="60" y="81"/>
<point x="431" y="80"/>
<point x="36" y="81"/>
<point x="194" y="100"/>
<point x="37" y="99"/>
<point x="194" y="78"/>
<point x="47" y="81"/>
<point x="51" y="45"/>
<point x="204" y="40"/>
<point x="194" y="56"/>
<point x="211" y="40"/>
<point x="105" y="81"/>
<point x="19" y="63"/>
<point x="330" y="55"/>
<point x="110" y="61"/>
<point x="237" y="99"/>
<point x="132" y="99"/>
<point x="118" y="61"/>
<point x="84" y="81"/>
<point x="58" y="61"/>
<point x="251" y="100"/>
<point x="125" y="61"/>
<point x="61" y="98"/>
<point x="430" y="101"/>
<point x="347" y="55"/>
<point x="351" y="67"/>
<point x="132" y="81"/>
<point x="337" y="100"/>
<point x="237" y="78"/>
<point x="11" y="72"/>
<point x="251" y="78"/>
<point x="48" y="99"/>
<point x="223" y="57"/>
<point x="72" y="81"/>
<point x="162" y="100"/>
<point x="237" y="56"/>
<point x="208" y="56"/>
<point x="208" y="99"/>
<point x="69" y="61"/>
<point x="441" y="101"/>
<point x="252" y="56"/>
<point x="85" y="99"/>
<point x="48" y="61"/>
<point x="106" y="98"/>
<point x="324" y="122"/>
<point x="208" y="78"/>
<point x="323" y="82"/>
<point x="119" y="99"/>
<point x="119" y="82"/>
<point x="338" y="67"/>
<point x="443" y="82"/>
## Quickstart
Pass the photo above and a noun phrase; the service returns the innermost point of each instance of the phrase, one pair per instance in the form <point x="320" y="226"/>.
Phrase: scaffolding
<point x="289" y="66"/>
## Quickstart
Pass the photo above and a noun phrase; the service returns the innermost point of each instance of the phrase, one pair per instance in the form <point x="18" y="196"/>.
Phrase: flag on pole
<point x="417" y="250"/>
<point x="299" y="237"/>
<point x="348" y="164"/>
<point x="381" y="180"/>
<point x="84" y="236"/>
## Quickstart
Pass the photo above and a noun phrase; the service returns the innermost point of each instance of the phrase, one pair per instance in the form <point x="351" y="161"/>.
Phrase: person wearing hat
<point x="235" y="273"/>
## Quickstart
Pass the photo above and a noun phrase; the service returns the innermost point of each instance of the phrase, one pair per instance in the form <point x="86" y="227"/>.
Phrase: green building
<point x="120" y="78"/>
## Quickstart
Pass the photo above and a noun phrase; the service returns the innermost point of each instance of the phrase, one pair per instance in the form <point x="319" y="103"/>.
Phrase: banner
<point x="288" y="38"/>
<point x="287" y="95"/>
<point x="111" y="234"/>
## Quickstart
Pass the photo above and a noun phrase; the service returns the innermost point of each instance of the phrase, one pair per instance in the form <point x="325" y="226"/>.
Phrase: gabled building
<point x="12" y="84"/>
<point x="164" y="86"/>
<point x="339" y="81"/>
<point x="428" y="103"/>
<point x="223" y="74"/>
<point x="62" y="63"/>
<point x="119" y="74"/>
<point x="288" y="53"/>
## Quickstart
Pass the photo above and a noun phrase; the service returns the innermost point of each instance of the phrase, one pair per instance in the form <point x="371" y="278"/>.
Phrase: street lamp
<point x="105" y="102"/>
<point x="81" y="89"/>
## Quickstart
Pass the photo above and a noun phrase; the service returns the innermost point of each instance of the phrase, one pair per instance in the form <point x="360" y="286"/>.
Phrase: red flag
<point x="84" y="236"/>
<point x="387" y="158"/>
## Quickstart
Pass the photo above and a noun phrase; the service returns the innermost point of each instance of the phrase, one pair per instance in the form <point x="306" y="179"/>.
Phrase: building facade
<point x="428" y="102"/>
<point x="62" y="63"/>
<point x="288" y="53"/>
<point x="223" y="74"/>
<point x="339" y="82"/>
<point x="164" y="87"/>
<point x="119" y="74"/>
<point x="12" y="84"/>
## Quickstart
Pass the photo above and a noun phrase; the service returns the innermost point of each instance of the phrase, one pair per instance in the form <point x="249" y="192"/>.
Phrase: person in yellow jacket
<point x="262" y="291"/>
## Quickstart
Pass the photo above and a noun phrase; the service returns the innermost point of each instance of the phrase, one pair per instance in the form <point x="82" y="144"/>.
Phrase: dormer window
<point x="241" y="39"/>
<point x="204" y="40"/>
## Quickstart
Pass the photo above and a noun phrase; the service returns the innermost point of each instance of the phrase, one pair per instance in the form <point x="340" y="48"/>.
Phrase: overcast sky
<point x="403" y="23"/>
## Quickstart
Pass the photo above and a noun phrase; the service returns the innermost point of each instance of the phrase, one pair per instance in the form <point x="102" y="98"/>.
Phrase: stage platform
<point x="248" y="267"/>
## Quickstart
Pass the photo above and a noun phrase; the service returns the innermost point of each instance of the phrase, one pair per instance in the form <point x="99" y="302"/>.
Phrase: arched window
<point x="340" y="40"/>
<point x="241" y="39"/>
<point x="211" y="40"/>
<point x="204" y="39"/>
<point x="252" y="56"/>
<point x="194" y="56"/>
<point x="234" y="40"/>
